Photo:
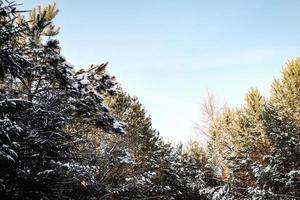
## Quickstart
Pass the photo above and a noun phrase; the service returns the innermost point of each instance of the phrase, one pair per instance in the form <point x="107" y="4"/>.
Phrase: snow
<point x="119" y="126"/>
<point x="83" y="79"/>
<point x="45" y="172"/>
<point x="97" y="77"/>
<point x="69" y="64"/>
<point x="125" y="159"/>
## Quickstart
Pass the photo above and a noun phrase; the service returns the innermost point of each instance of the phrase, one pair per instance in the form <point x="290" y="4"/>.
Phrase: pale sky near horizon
<point x="169" y="52"/>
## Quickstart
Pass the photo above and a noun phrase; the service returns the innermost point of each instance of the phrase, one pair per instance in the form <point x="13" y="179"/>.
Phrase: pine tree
<point x="141" y="140"/>
<point x="148" y="147"/>
<point x="41" y="94"/>
<point x="219" y="147"/>
<point x="238" y="144"/>
<point x="280" y="178"/>
<point x="253" y="144"/>
<point x="158" y="170"/>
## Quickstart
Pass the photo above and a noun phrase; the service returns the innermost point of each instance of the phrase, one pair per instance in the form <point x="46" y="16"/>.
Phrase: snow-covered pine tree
<point x="142" y="141"/>
<point x="280" y="178"/>
<point x="238" y="144"/>
<point x="249" y="140"/>
<point x="40" y="94"/>
<point x="141" y="137"/>
<point x="158" y="170"/>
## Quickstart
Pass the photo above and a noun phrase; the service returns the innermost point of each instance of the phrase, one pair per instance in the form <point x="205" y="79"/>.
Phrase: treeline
<point x="67" y="134"/>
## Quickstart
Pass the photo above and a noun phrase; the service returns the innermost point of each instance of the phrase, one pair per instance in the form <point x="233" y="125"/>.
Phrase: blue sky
<point x="169" y="52"/>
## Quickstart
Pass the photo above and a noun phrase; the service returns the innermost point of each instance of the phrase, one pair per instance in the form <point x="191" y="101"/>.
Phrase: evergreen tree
<point x="41" y="94"/>
<point x="249" y="140"/>
<point x="256" y="148"/>
<point x="145" y="142"/>
<point x="158" y="171"/>
<point x="54" y="123"/>
<point x="142" y="142"/>
<point x="279" y="179"/>
<point x="238" y="144"/>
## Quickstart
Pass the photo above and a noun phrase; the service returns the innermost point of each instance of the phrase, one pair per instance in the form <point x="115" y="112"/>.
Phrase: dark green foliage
<point x="41" y="94"/>
<point x="54" y="125"/>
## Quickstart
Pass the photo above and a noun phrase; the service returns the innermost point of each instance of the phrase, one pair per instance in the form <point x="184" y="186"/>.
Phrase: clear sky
<point x="169" y="52"/>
